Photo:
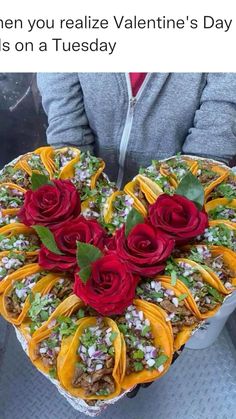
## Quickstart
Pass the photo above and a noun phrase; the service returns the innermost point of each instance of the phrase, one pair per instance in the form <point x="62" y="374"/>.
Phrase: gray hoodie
<point x="193" y="113"/>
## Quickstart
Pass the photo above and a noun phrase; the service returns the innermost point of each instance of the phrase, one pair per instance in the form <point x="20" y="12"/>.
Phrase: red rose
<point x="66" y="236"/>
<point x="110" y="288"/>
<point x="51" y="204"/>
<point x="178" y="217"/>
<point x="144" y="250"/>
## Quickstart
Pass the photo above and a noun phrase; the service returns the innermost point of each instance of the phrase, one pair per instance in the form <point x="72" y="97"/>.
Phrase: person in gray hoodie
<point x="190" y="113"/>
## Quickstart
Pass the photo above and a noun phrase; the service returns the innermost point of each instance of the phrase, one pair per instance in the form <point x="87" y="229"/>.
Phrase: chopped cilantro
<point x="145" y="330"/>
<point x="138" y="366"/>
<point x="160" y="360"/>
<point x="113" y="336"/>
<point x="182" y="297"/>
<point x="138" y="354"/>
<point x="53" y="373"/>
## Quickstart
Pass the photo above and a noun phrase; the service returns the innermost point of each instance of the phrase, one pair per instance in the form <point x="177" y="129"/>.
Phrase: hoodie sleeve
<point x="214" y="131"/>
<point x="62" y="100"/>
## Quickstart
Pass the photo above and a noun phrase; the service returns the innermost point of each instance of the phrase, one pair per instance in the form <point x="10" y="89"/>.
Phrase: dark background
<point x="22" y="120"/>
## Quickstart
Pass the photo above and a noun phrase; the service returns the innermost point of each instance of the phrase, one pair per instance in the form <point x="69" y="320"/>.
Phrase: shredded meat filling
<point x="63" y="291"/>
<point x="96" y="381"/>
<point x="183" y="317"/>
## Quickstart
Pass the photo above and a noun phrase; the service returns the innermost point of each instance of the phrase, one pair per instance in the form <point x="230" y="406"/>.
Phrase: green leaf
<point x="81" y="313"/>
<point x="217" y="296"/>
<point x="185" y="281"/>
<point x="53" y="373"/>
<point x="81" y="365"/>
<point x="85" y="273"/>
<point x="38" y="180"/>
<point x="182" y="297"/>
<point x="123" y="328"/>
<point x="173" y="278"/>
<point x="160" y="360"/>
<point x="191" y="188"/>
<point x="113" y="336"/>
<point x="111" y="351"/>
<point x="47" y="238"/>
<point x="138" y="366"/>
<point x="145" y="330"/>
<point x="134" y="218"/>
<point x="138" y="354"/>
<point x="86" y="254"/>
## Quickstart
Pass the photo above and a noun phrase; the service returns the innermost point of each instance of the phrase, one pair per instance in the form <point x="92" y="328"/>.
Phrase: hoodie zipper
<point x="128" y="125"/>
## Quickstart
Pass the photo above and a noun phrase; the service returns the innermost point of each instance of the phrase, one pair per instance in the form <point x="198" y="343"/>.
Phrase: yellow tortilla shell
<point x="15" y="275"/>
<point x="206" y="278"/>
<point x="67" y="369"/>
<point x="44" y="287"/>
<point x="129" y="190"/>
<point x="151" y="189"/>
<point x="186" y="331"/>
<point x="229" y="259"/>
<point x="222" y="174"/>
<point x="47" y="158"/>
<point x="211" y="205"/>
<point x="162" y="339"/>
<point x="37" y="288"/>
<point x="45" y="334"/>
<point x="173" y="178"/>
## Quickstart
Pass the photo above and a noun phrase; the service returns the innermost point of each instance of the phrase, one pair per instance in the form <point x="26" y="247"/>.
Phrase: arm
<point x="214" y="132"/>
<point x="62" y="100"/>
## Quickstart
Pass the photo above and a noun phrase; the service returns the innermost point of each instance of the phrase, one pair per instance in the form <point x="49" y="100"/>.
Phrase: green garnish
<point x="138" y="354"/>
<point x="103" y="392"/>
<point x="173" y="278"/>
<point x="138" y="366"/>
<point x="88" y="339"/>
<point x="123" y="328"/>
<point x="113" y="336"/>
<point x="111" y="350"/>
<point x="226" y="190"/>
<point x="182" y="297"/>
<point x="217" y="296"/>
<point x="145" y="330"/>
<point x="160" y="360"/>
<point x="81" y="365"/>
<point x="53" y="373"/>
<point x="81" y="313"/>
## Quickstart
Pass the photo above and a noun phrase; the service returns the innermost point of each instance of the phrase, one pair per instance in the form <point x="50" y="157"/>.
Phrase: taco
<point x="85" y="173"/>
<point x="14" y="302"/>
<point x="32" y="163"/>
<point x="219" y="234"/>
<point x="47" y="300"/>
<point x="10" y="174"/>
<point x="46" y="345"/>
<point x="226" y="189"/>
<point x="206" y="299"/>
<point x="18" y="237"/>
<point x="11" y="197"/>
<point x="176" y="168"/>
<point x="137" y="190"/>
<point x="210" y="175"/>
<point x="94" y="200"/>
<point x="148" y="344"/>
<point x="222" y="209"/>
<point x="155" y="182"/>
<point x="219" y="262"/>
<point x="91" y="366"/>
<point x="116" y="210"/>
<point x="171" y="300"/>
<point x="12" y="263"/>
<point x="60" y="161"/>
